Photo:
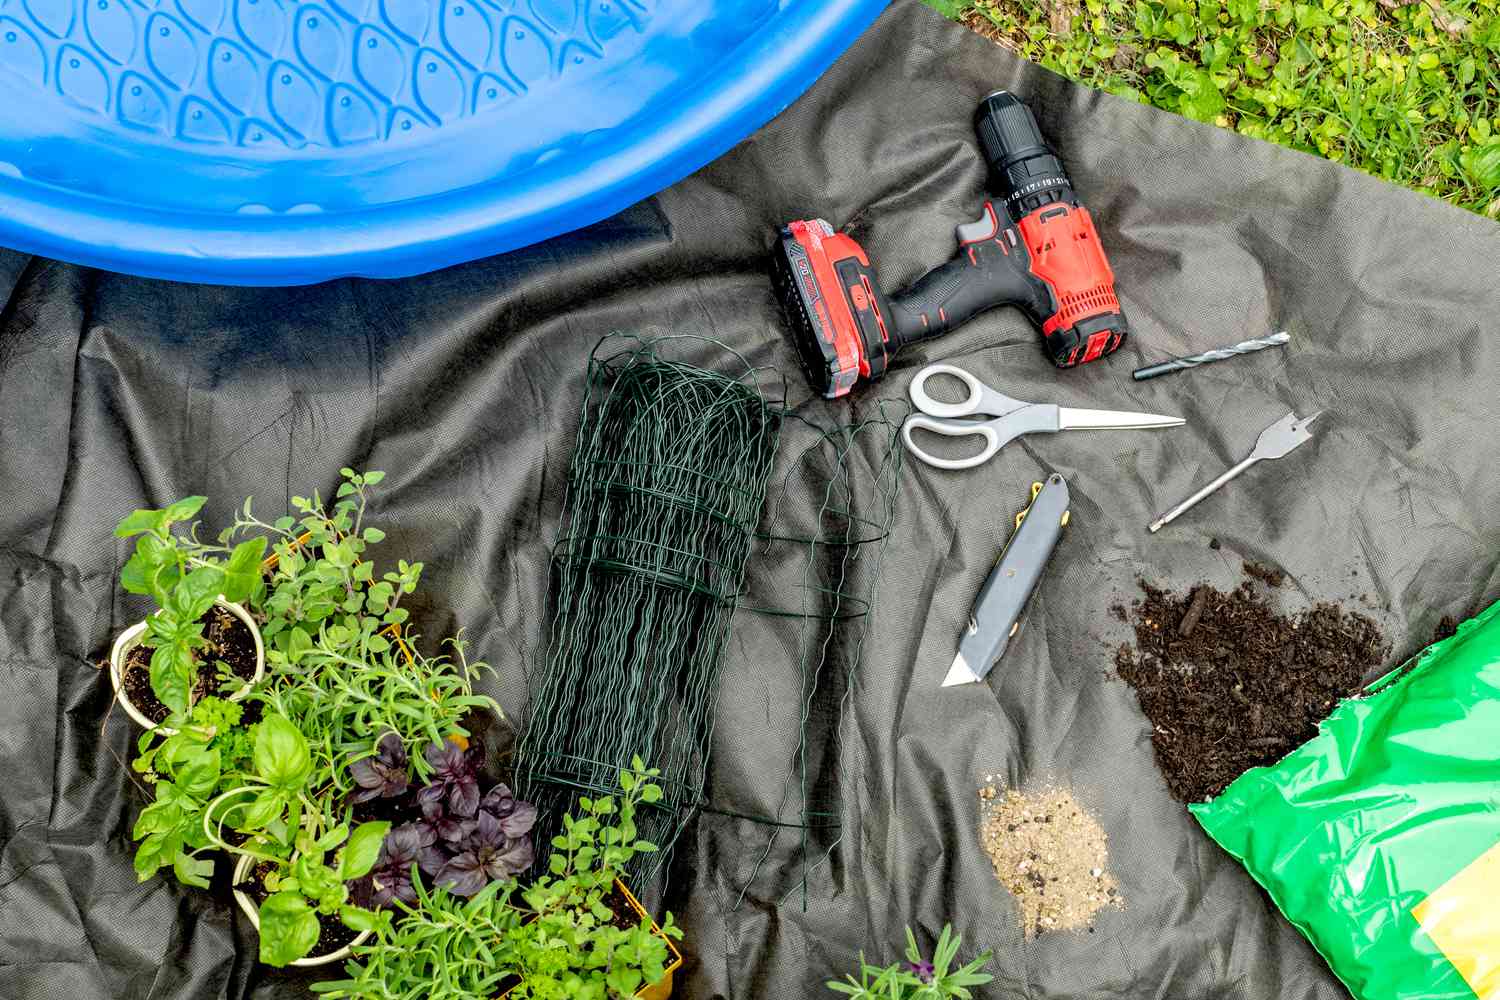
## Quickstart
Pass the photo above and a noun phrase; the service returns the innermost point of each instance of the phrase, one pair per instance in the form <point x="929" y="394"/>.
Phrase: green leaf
<point x="160" y="816"/>
<point x="172" y="676"/>
<point x="197" y="592"/>
<point x="1483" y="164"/>
<point x="135" y="574"/>
<point x="358" y="919"/>
<point x="362" y="851"/>
<point x="243" y="571"/>
<point x="298" y="642"/>
<point x="374" y="535"/>
<point x="139" y="521"/>
<point x="374" y="477"/>
<point x="288" y="928"/>
<point x="281" y="756"/>
<point x="183" y="509"/>
<point x="264" y="808"/>
<point x="198" y="775"/>
<point x="333" y="838"/>
<point x="192" y="871"/>
<point x="624" y="980"/>
<point x="148" y="856"/>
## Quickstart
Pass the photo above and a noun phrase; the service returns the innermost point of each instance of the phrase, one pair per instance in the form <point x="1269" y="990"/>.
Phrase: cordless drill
<point x="1034" y="248"/>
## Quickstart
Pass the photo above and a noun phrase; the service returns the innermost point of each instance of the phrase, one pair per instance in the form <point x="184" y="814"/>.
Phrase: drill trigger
<point x="986" y="227"/>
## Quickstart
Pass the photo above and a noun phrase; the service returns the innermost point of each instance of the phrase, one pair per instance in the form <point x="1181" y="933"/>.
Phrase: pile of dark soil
<point x="1229" y="684"/>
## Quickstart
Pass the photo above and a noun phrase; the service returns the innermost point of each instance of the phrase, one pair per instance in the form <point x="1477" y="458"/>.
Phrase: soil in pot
<point x="1230" y="684"/>
<point x="229" y="640"/>
<point x="332" y="936"/>
<point x="625" y="917"/>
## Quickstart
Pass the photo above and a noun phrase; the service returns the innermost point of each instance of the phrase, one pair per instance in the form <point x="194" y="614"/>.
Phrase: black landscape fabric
<point x="464" y="386"/>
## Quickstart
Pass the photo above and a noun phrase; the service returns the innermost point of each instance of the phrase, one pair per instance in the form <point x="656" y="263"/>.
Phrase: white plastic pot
<point x="241" y="873"/>
<point x="131" y="638"/>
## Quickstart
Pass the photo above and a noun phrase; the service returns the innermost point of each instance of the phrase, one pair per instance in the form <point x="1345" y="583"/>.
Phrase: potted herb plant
<point x="185" y="769"/>
<point x="201" y="641"/>
<point x="285" y="830"/>
<point x="917" y="978"/>
<point x="575" y="932"/>
<point x="349" y="764"/>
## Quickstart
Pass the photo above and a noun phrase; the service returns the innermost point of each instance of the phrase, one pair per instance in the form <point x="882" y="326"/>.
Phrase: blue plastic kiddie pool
<point x="267" y="142"/>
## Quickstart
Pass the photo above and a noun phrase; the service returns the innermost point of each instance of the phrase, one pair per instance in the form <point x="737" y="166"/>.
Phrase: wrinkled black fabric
<point x="464" y="385"/>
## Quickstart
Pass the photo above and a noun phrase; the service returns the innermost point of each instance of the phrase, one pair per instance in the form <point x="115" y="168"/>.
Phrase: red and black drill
<point x="1036" y="249"/>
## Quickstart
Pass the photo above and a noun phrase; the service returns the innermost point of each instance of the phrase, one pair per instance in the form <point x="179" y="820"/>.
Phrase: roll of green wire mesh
<point x="665" y="489"/>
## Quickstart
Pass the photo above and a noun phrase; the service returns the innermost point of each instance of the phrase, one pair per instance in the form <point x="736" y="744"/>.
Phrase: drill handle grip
<point x="986" y="273"/>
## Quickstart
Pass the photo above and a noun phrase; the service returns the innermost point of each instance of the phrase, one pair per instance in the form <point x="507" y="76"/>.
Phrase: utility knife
<point x="997" y="611"/>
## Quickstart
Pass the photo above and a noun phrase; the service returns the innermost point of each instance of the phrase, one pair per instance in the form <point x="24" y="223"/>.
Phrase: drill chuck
<point x="1024" y="171"/>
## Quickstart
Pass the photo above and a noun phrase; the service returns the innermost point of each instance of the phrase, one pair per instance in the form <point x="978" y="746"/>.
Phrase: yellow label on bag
<point x="1463" y="919"/>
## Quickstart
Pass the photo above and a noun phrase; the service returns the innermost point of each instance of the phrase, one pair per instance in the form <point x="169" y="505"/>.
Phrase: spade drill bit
<point x="1219" y="354"/>
<point x="1274" y="442"/>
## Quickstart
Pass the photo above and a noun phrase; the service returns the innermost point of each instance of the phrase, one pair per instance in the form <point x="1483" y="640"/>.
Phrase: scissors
<point x="1010" y="418"/>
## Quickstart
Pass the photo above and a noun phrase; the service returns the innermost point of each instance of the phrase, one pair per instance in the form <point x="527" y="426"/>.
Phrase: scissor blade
<point x="1070" y="418"/>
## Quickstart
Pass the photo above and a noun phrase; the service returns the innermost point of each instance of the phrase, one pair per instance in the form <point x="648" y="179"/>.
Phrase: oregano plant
<point x="340" y="671"/>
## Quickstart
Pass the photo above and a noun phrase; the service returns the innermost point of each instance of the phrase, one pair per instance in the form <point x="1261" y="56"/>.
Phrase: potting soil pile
<point x="1230" y="683"/>
<point x="465" y="387"/>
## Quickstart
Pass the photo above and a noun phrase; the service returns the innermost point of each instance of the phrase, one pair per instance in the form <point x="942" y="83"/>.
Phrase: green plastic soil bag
<point x="1380" y="837"/>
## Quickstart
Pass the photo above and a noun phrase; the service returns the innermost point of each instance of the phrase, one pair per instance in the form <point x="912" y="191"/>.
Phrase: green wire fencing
<point x="681" y="484"/>
<point x="664" y="491"/>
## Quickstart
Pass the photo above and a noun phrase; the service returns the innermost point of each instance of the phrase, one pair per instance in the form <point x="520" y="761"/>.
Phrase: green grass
<point x="1406" y="91"/>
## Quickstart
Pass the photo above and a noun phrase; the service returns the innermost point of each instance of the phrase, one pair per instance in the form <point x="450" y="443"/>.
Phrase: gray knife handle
<point x="1009" y="585"/>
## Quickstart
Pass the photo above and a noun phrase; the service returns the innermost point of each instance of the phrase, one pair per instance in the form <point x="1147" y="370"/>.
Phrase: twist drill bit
<point x="1219" y="354"/>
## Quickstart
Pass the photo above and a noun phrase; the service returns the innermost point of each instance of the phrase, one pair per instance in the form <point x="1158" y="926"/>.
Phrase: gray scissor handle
<point x="986" y="429"/>
<point x="980" y="398"/>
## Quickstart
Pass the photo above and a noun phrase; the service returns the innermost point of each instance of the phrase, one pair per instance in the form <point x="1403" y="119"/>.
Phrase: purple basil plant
<point x="382" y="776"/>
<point x="462" y="841"/>
<point x="488" y="855"/>
<point x="454" y="784"/>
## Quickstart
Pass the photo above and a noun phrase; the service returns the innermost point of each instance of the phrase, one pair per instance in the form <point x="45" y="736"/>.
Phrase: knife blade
<point x="996" y="616"/>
